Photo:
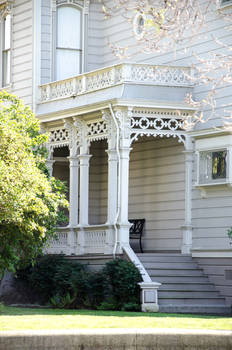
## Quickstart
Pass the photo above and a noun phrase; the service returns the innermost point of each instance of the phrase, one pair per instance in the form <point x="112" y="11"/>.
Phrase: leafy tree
<point x="30" y="201"/>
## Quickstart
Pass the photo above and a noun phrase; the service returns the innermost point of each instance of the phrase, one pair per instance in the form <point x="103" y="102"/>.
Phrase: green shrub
<point x="68" y="284"/>
<point x="2" y="307"/>
<point x="123" y="278"/>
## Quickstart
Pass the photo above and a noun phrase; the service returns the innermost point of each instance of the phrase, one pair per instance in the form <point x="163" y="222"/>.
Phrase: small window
<point x="68" y="49"/>
<point x="224" y="3"/>
<point x="138" y="25"/>
<point x="6" y="50"/>
<point x="213" y="166"/>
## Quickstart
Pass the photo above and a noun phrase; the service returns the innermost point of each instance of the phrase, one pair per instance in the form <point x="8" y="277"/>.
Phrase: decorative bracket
<point x="5" y="7"/>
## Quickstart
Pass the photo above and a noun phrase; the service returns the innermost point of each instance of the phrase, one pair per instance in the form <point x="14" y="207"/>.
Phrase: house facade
<point x="118" y="135"/>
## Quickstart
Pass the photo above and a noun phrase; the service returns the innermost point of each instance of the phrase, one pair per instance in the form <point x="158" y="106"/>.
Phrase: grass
<point x="12" y="318"/>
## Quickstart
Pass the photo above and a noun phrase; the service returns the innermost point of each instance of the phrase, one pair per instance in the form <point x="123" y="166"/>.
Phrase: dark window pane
<point x="219" y="165"/>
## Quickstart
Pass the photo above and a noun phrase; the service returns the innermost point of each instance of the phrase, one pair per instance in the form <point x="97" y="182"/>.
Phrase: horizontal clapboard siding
<point x="98" y="183"/>
<point x="156" y="191"/>
<point x="22" y="50"/>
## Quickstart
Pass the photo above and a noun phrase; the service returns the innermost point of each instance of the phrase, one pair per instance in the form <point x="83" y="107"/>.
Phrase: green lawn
<point x="12" y="318"/>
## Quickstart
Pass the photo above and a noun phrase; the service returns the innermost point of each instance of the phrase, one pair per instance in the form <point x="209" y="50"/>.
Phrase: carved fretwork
<point x="5" y="7"/>
<point x="97" y="130"/>
<point x="157" y="123"/>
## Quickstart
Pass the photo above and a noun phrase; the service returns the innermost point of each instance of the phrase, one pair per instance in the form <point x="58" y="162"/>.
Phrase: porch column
<point x="73" y="191"/>
<point x="112" y="185"/>
<point x="124" y="191"/>
<point x="187" y="228"/>
<point x="49" y="164"/>
<point x="84" y="188"/>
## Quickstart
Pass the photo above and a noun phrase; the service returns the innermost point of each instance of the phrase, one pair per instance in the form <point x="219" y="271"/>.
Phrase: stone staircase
<point x="185" y="288"/>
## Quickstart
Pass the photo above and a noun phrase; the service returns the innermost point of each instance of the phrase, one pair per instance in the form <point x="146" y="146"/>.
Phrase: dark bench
<point x="136" y="230"/>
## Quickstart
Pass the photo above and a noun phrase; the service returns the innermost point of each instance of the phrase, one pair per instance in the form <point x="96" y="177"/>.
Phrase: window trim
<point x="7" y="11"/>
<point x="213" y="143"/>
<point x="213" y="182"/>
<point x="82" y="37"/>
<point x="222" y="5"/>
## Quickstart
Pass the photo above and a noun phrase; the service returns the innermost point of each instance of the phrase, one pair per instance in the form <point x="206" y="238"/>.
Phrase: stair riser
<point x="165" y="259"/>
<point x="179" y="279"/>
<point x="170" y="266"/>
<point x="169" y="272"/>
<point x="187" y="287"/>
<point x="188" y="295"/>
<point x="197" y="301"/>
<point x="210" y="310"/>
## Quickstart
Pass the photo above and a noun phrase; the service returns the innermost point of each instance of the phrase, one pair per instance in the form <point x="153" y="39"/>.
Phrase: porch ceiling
<point x="137" y="85"/>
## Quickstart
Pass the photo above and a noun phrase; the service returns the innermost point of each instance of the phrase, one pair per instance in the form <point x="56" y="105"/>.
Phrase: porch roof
<point x="123" y="84"/>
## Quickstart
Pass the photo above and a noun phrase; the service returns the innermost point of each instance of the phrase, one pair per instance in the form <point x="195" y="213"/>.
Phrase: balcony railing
<point x="115" y="75"/>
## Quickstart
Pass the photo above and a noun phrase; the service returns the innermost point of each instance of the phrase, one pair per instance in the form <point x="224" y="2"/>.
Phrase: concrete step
<point x="178" y="286"/>
<point x="188" y="294"/>
<point x="196" y="309"/>
<point x="191" y="301"/>
<point x="163" y="258"/>
<point x="171" y="265"/>
<point x="179" y="279"/>
<point x="175" y="272"/>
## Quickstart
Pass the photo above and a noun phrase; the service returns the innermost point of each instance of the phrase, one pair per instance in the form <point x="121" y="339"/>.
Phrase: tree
<point x="30" y="200"/>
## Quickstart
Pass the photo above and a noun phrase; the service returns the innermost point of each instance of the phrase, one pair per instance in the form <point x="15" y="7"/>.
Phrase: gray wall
<point x="156" y="192"/>
<point x="22" y="50"/>
<point x="98" y="183"/>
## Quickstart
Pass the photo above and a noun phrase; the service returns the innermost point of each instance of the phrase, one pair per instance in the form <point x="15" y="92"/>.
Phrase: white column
<point x="84" y="188"/>
<point x="73" y="191"/>
<point x="124" y="192"/>
<point x="49" y="164"/>
<point x="187" y="228"/>
<point x="112" y="185"/>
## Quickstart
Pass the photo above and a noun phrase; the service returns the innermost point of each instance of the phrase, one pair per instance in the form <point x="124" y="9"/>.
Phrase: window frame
<point x="222" y="5"/>
<point x="212" y="181"/>
<point x="82" y="38"/>
<point x="6" y="13"/>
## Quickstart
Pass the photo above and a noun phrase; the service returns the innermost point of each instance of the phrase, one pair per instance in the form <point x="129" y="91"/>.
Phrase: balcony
<point x="114" y="75"/>
<point x="126" y="81"/>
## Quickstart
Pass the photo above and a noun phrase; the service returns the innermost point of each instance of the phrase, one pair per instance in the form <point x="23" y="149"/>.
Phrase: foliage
<point x="67" y="284"/>
<point x="123" y="278"/>
<point x="29" y="199"/>
<point x="229" y="232"/>
<point x="2" y="308"/>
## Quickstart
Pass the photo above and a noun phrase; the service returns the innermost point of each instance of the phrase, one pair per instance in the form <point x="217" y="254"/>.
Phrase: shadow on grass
<point x="16" y="311"/>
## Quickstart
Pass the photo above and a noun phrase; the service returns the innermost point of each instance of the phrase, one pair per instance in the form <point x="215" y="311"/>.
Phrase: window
<point x="6" y="50"/>
<point x="225" y="3"/>
<point x="213" y="166"/>
<point x="138" y="25"/>
<point x="68" y="42"/>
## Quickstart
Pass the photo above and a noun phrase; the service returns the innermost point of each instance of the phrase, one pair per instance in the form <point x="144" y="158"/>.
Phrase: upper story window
<point x="225" y="3"/>
<point x="68" y="42"/>
<point x="6" y="50"/>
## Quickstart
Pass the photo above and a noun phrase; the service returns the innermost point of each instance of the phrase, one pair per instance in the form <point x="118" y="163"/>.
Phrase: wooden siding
<point x="22" y="50"/>
<point x="46" y="42"/>
<point x="156" y="191"/>
<point x="98" y="174"/>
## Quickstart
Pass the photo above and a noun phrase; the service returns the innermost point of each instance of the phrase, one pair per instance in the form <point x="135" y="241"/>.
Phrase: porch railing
<point x="98" y="239"/>
<point x="114" y="75"/>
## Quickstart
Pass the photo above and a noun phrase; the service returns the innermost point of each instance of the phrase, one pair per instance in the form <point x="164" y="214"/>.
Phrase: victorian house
<point x="117" y="137"/>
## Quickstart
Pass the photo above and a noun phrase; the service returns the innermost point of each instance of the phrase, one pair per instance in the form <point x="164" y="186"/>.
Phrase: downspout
<point x="148" y="287"/>
<point x="119" y="180"/>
